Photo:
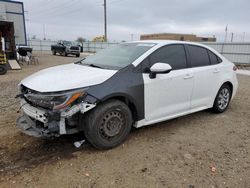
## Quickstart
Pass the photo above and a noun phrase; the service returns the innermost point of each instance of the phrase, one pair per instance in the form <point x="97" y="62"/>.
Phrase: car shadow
<point x="35" y="151"/>
<point x="46" y="151"/>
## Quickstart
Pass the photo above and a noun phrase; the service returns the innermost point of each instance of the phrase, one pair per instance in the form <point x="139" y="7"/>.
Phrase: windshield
<point x="67" y="43"/>
<point x="118" y="56"/>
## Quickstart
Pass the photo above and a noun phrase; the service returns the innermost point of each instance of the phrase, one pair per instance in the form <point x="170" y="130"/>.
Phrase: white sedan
<point x="130" y="84"/>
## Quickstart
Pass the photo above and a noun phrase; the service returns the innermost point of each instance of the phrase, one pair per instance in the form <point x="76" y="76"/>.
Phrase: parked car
<point x="65" y="47"/>
<point x="130" y="84"/>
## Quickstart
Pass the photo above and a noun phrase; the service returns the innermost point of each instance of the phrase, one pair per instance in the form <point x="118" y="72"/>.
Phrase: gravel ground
<point x="198" y="150"/>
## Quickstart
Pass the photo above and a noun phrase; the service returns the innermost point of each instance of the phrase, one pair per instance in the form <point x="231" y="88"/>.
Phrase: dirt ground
<point x="198" y="150"/>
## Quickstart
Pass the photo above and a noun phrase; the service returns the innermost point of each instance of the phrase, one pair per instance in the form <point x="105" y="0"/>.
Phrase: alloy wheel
<point x="224" y="97"/>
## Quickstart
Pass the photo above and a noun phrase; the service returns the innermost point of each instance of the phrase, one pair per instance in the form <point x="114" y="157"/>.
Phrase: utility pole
<point x="105" y="21"/>
<point x="223" y="44"/>
<point x="243" y="38"/>
<point x="44" y="36"/>
<point x="232" y="37"/>
<point x="226" y="34"/>
<point x="132" y="36"/>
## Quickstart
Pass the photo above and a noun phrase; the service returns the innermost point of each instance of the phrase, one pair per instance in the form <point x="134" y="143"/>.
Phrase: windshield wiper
<point x="93" y="65"/>
<point x="90" y="64"/>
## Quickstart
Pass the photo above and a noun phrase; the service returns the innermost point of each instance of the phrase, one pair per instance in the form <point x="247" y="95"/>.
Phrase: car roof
<point x="165" y="42"/>
<point x="161" y="43"/>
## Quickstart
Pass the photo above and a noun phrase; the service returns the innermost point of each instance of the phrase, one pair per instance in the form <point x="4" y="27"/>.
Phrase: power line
<point x="53" y="9"/>
<point x="66" y="13"/>
<point x="115" y="1"/>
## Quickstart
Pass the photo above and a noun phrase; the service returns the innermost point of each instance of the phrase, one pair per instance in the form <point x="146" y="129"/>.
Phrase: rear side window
<point x="198" y="55"/>
<point x="214" y="59"/>
<point x="174" y="55"/>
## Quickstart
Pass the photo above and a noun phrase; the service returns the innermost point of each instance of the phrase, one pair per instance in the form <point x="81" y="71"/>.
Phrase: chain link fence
<point x="235" y="52"/>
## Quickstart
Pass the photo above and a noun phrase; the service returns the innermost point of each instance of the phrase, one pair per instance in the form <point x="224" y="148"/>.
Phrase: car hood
<point x="66" y="77"/>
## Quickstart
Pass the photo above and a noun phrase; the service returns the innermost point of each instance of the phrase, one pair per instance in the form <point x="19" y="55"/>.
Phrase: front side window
<point x="198" y="55"/>
<point x="118" y="56"/>
<point x="174" y="55"/>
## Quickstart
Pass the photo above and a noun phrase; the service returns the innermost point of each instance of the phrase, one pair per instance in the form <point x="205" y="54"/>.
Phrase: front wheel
<point x="108" y="125"/>
<point x="53" y="52"/>
<point x="77" y="55"/>
<point x="222" y="99"/>
<point x="65" y="54"/>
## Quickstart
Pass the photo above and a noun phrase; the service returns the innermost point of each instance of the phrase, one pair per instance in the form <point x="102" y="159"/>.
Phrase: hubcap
<point x="112" y="124"/>
<point x="223" y="99"/>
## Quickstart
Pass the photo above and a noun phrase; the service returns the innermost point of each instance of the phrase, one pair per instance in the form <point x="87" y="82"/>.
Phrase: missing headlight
<point x="46" y="101"/>
<point x="53" y="101"/>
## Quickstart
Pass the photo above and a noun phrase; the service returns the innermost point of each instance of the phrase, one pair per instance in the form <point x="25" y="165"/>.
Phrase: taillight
<point x="235" y="68"/>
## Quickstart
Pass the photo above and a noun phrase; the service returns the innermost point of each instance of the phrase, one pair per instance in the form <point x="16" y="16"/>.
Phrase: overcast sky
<point x="69" y="19"/>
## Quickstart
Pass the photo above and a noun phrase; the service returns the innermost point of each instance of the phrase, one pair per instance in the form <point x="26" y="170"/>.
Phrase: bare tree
<point x="80" y="40"/>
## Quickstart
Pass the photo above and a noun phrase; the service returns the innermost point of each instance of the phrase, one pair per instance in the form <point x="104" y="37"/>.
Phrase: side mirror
<point x="159" y="68"/>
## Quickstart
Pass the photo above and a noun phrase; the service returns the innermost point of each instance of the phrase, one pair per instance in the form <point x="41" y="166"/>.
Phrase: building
<point x="12" y="26"/>
<point x="174" y="36"/>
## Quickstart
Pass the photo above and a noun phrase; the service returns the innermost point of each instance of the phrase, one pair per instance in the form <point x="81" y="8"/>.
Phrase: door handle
<point x="216" y="71"/>
<point x="188" y="76"/>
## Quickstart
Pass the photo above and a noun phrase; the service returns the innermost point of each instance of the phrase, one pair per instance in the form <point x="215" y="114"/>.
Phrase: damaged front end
<point x="53" y="114"/>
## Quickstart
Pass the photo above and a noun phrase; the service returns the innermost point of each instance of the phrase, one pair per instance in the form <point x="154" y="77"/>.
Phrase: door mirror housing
<point x="159" y="68"/>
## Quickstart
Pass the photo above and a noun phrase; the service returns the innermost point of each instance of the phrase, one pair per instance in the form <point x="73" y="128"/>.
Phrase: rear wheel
<point x="3" y="69"/>
<point x="222" y="99"/>
<point x="108" y="125"/>
<point x="77" y="55"/>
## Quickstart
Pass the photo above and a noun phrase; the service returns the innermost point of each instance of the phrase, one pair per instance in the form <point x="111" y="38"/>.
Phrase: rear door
<point x="206" y="76"/>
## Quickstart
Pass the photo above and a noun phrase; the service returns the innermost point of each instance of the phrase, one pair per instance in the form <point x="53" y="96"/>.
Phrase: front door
<point x="168" y="95"/>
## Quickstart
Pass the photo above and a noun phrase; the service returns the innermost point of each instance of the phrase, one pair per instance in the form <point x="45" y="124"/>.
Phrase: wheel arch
<point x="229" y="84"/>
<point x="127" y="100"/>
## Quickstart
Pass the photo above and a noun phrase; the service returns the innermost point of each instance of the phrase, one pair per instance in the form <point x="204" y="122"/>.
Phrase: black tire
<point x="3" y="69"/>
<point x="77" y="55"/>
<point x="107" y="125"/>
<point x="222" y="99"/>
<point x="53" y="52"/>
<point x="65" y="54"/>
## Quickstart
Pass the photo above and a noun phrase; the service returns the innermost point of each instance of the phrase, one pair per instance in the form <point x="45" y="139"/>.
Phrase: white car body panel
<point x="67" y="77"/>
<point x="167" y="94"/>
<point x="165" y="103"/>
<point x="206" y="83"/>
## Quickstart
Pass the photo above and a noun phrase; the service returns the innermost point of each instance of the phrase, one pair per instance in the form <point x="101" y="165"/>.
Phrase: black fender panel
<point x="126" y="83"/>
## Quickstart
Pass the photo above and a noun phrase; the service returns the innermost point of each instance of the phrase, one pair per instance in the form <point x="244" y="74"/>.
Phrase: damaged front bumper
<point x="39" y="122"/>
